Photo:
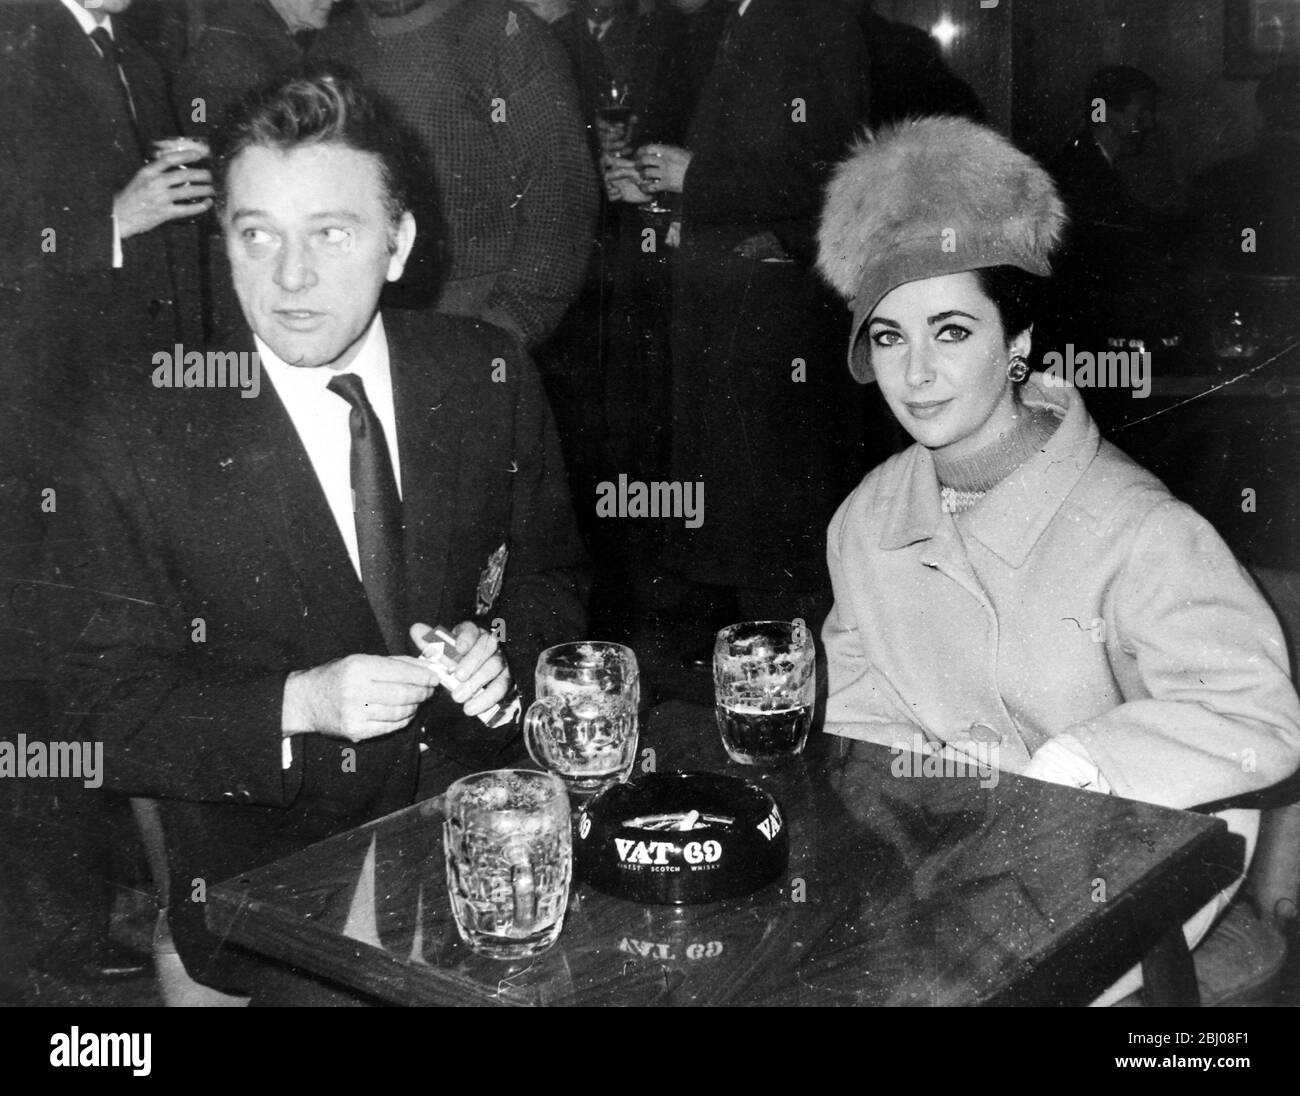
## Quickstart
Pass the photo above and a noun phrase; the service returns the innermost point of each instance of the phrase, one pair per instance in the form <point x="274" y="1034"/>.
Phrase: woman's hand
<point x="663" y="168"/>
<point x="622" y="180"/>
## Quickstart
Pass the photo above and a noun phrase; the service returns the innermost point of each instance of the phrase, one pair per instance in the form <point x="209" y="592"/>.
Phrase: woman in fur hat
<point x="1012" y="585"/>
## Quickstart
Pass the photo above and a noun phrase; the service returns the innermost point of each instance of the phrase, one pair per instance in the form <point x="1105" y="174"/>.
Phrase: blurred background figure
<point x="481" y="85"/>
<point x="683" y="38"/>
<point x="909" y="76"/>
<point x="602" y="39"/>
<point x="757" y="339"/>
<point x="1116" y="272"/>
<point x="238" y="46"/>
<point x="548" y="10"/>
<point x="1255" y="191"/>
<point x="98" y="271"/>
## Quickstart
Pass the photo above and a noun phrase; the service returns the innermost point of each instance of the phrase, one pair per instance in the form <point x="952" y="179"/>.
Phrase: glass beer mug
<point x="509" y="849"/>
<point x="583" y="724"/>
<point x="765" y="685"/>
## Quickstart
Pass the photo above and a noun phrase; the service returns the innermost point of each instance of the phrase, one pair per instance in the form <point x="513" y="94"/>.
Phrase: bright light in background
<point x="944" y="31"/>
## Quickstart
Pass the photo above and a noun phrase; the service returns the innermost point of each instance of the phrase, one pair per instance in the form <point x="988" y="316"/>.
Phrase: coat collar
<point x="1011" y="518"/>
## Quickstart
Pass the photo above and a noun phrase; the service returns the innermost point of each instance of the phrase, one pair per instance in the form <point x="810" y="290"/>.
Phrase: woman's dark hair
<point x="1017" y="294"/>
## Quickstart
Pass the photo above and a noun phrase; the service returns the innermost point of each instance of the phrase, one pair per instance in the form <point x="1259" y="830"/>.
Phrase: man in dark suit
<point x="98" y="268"/>
<point x="97" y="245"/>
<point x="762" y="408"/>
<point x="1255" y="191"/>
<point x="251" y="566"/>
<point x="1113" y="273"/>
<point x="241" y="45"/>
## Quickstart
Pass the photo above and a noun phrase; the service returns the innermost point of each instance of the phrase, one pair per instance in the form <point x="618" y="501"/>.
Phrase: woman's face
<point x="940" y="356"/>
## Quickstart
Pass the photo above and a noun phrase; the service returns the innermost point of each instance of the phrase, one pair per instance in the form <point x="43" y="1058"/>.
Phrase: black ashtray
<point x="681" y="839"/>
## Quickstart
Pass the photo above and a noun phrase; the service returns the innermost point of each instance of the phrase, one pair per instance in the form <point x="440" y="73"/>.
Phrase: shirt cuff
<point x="118" y="263"/>
<point x="1063" y="759"/>
<point x="286" y="753"/>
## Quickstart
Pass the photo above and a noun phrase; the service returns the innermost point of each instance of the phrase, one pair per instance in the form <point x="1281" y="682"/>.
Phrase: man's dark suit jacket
<point x="1113" y="271"/>
<point x="758" y="163"/>
<point x="67" y="148"/>
<point x="1256" y="190"/>
<point x="1095" y="191"/>
<point x="243" y="45"/>
<point x="198" y="504"/>
<point x="595" y="63"/>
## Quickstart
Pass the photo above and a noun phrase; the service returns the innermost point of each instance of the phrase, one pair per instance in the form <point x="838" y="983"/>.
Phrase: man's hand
<point x="482" y="678"/>
<point x="762" y="245"/>
<point x="613" y="136"/>
<point x="156" y="194"/>
<point x="663" y="167"/>
<point x="622" y="181"/>
<point x="356" y="698"/>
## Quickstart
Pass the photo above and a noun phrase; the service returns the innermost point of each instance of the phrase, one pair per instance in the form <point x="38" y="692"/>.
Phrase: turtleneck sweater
<point x="963" y="481"/>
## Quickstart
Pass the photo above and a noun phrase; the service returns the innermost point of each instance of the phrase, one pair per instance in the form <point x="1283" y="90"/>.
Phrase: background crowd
<point x="658" y="265"/>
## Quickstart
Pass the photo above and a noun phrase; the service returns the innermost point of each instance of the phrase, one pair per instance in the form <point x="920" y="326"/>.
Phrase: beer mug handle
<point x="537" y="710"/>
<point x="524" y="885"/>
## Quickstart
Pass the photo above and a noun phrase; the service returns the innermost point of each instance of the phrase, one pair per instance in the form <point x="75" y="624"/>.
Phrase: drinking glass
<point x="765" y="686"/>
<point x="509" y="846"/>
<point x="616" y="111"/>
<point x="583" y="724"/>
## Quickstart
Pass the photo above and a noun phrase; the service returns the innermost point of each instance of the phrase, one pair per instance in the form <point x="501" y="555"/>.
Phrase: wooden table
<point x="900" y="890"/>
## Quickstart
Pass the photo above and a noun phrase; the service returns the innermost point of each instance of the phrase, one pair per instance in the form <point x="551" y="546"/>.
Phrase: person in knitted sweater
<point x="482" y="86"/>
<point x="1013" y="585"/>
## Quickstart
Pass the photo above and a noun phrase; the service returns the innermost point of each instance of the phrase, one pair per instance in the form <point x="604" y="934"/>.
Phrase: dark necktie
<point x="108" y="52"/>
<point x="377" y="510"/>
<point x="729" y="26"/>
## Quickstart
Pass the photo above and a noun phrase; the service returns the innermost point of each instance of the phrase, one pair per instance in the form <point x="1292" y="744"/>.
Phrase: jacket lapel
<point x="74" y="55"/>
<point x="914" y="516"/>
<point x="273" y="478"/>
<point x="429" y="437"/>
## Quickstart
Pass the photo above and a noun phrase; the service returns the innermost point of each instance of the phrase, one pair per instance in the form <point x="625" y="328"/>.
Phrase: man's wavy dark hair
<point x="323" y="106"/>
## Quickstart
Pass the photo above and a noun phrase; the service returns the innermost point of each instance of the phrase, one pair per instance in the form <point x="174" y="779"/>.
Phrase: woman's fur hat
<point x="932" y="196"/>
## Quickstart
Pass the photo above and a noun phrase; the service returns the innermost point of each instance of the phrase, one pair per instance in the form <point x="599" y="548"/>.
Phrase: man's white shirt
<point x="321" y="419"/>
<point x="88" y="23"/>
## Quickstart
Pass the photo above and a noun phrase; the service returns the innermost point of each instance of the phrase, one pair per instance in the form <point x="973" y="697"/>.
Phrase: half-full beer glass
<point x="765" y="686"/>
<point x="509" y="846"/>
<point x="583" y="724"/>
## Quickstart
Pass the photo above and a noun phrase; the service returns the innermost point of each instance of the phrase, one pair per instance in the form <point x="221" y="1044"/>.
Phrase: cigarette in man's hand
<point x="438" y="648"/>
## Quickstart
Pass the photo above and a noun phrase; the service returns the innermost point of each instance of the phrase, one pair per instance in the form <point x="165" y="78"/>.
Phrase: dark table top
<point x="900" y="890"/>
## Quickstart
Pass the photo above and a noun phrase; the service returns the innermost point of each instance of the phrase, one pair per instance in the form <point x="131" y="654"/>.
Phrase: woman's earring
<point x="1017" y="369"/>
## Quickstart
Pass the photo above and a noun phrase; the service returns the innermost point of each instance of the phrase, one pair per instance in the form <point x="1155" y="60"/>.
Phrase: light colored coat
<point x="1079" y="596"/>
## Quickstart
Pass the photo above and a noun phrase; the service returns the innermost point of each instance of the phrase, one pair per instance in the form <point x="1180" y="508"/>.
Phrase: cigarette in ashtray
<point x="438" y="649"/>
<point x="690" y="820"/>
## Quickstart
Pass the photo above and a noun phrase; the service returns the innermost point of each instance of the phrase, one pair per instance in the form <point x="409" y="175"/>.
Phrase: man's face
<point x="100" y="8"/>
<point x="310" y="247"/>
<point x="304" y="14"/>
<point x="1135" y="121"/>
